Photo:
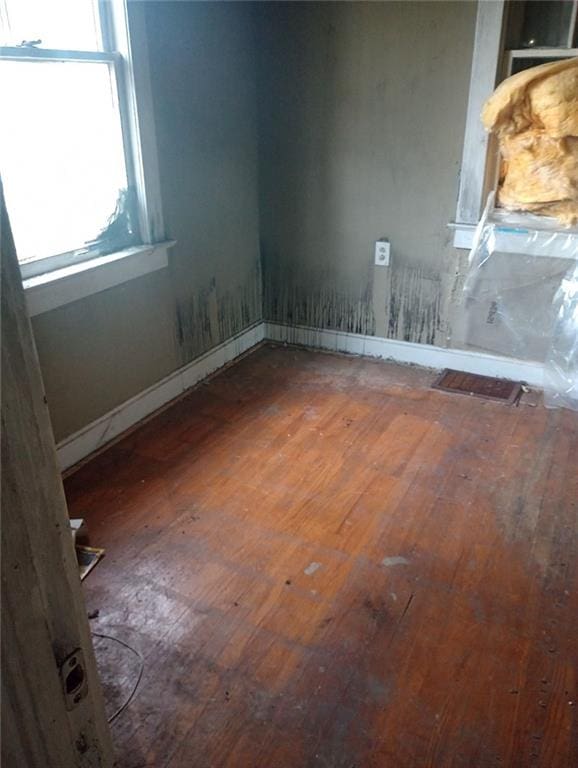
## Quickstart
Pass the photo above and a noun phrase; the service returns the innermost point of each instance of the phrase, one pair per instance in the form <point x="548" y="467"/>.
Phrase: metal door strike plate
<point x="73" y="679"/>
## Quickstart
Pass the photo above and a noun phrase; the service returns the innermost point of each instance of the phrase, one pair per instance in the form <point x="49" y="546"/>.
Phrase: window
<point x="538" y="32"/>
<point x="510" y="37"/>
<point x="70" y="141"/>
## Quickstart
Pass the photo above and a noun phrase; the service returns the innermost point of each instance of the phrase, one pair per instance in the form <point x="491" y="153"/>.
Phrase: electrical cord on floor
<point x="139" y="676"/>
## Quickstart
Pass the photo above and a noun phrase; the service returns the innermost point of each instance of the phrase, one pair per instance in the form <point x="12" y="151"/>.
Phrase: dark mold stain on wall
<point x="213" y="315"/>
<point x="411" y="297"/>
<point x="415" y="299"/>
<point x="315" y="300"/>
<point x="322" y="308"/>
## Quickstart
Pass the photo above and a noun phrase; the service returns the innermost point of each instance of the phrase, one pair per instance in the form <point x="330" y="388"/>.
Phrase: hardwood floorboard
<point x="324" y="563"/>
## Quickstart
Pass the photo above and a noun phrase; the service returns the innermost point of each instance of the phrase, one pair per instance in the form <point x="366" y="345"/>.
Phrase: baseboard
<point x="425" y="355"/>
<point x="106" y="428"/>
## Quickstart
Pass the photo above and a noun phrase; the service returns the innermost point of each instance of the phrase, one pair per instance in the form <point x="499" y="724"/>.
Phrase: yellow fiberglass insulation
<point x="534" y="114"/>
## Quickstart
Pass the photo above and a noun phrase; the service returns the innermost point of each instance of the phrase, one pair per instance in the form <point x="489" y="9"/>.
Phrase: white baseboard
<point x="94" y="436"/>
<point x="425" y="355"/>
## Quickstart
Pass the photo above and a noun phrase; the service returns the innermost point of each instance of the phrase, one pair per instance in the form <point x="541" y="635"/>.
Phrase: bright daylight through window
<point x="63" y="156"/>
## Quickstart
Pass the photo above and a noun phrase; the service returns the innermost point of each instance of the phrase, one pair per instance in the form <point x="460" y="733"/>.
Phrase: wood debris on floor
<point x="87" y="558"/>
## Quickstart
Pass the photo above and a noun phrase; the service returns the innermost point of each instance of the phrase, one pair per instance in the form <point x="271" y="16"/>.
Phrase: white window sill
<point x="520" y="237"/>
<point x="63" y="286"/>
<point x="463" y="235"/>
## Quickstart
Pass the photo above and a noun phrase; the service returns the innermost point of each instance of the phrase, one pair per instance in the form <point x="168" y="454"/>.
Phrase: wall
<point x="98" y="352"/>
<point x="362" y="114"/>
<point x="204" y="86"/>
<point x="360" y="131"/>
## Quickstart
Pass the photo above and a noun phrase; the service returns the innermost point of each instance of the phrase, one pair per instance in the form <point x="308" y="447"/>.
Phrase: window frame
<point x="125" y="50"/>
<point x="477" y="171"/>
<point x="490" y="62"/>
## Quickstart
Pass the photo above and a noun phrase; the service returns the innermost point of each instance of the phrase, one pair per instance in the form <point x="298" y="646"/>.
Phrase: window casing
<point x="138" y="219"/>
<point x="506" y="41"/>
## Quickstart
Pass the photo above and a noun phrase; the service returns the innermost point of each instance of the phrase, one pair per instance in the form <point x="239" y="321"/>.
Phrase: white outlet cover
<point x="382" y="253"/>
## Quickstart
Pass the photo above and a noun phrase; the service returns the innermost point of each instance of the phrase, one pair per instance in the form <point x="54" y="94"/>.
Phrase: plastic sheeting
<point x="521" y="297"/>
<point x="562" y="362"/>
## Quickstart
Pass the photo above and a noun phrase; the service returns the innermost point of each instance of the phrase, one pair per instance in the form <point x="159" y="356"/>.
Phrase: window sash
<point x="115" y="60"/>
<point x="52" y="54"/>
<point x="137" y="124"/>
<point x="47" y="264"/>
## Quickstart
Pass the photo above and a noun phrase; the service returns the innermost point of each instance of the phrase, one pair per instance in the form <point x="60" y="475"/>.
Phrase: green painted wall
<point x="98" y="352"/>
<point x="202" y="60"/>
<point x="362" y="113"/>
<point x="291" y="136"/>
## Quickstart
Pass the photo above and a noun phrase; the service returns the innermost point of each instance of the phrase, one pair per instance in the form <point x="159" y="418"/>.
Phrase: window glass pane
<point x="519" y="64"/>
<point x="65" y="24"/>
<point x="61" y="155"/>
<point x="541" y="23"/>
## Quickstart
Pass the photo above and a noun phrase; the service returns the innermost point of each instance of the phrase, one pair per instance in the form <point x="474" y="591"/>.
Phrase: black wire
<point x="139" y="676"/>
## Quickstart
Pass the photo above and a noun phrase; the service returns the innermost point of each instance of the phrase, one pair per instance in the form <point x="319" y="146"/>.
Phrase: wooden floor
<point x="325" y="563"/>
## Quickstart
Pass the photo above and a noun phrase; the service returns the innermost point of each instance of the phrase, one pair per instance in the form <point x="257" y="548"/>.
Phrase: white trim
<point x="543" y="243"/>
<point x="53" y="54"/>
<point x="425" y="355"/>
<point x="554" y="54"/>
<point x="523" y="239"/>
<point x="130" y="39"/>
<point x="63" y="286"/>
<point x="573" y="24"/>
<point x="474" y="176"/>
<point x="463" y="235"/>
<point x="522" y="232"/>
<point x="94" y="436"/>
<point x="539" y="53"/>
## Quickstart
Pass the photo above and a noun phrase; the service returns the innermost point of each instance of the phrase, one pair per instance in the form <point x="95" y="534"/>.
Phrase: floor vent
<point x="474" y="385"/>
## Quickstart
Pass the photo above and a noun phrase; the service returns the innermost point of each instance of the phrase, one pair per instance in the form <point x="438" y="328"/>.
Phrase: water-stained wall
<point x="98" y="352"/>
<point x="204" y="88"/>
<point x="362" y="113"/>
<point x="290" y="137"/>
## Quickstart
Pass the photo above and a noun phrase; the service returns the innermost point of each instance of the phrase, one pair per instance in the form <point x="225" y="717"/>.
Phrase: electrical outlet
<point x="382" y="251"/>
